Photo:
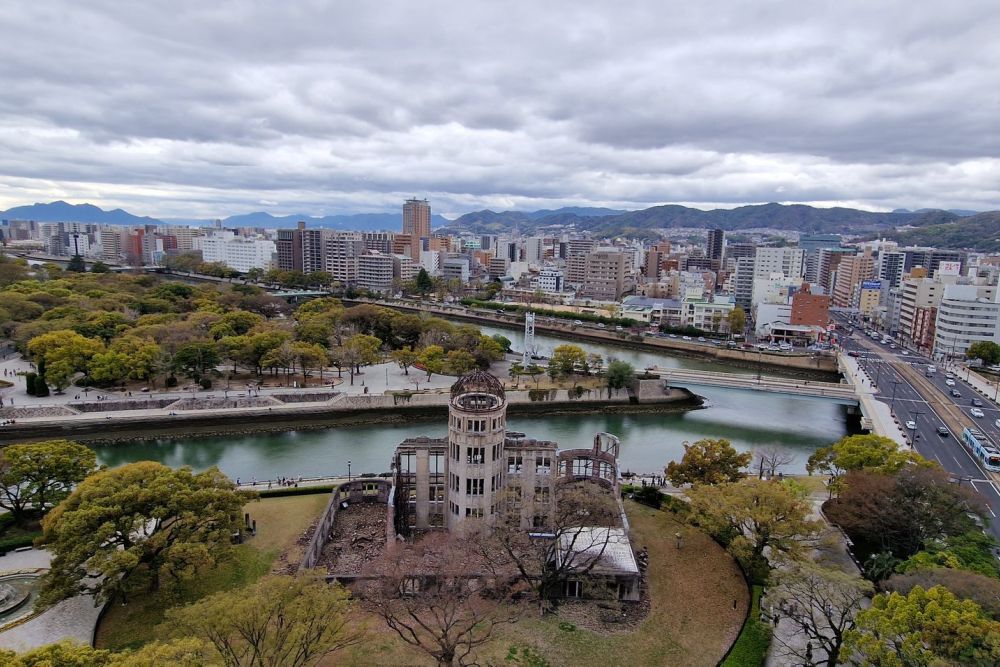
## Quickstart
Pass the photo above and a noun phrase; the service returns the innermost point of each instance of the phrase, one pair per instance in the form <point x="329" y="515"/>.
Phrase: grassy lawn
<point x="691" y="621"/>
<point x="280" y="522"/>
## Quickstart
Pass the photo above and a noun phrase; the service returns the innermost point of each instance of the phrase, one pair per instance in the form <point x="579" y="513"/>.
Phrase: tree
<point x="753" y="515"/>
<point x="931" y="627"/>
<point x="280" y="621"/>
<point x="178" y="653"/>
<point x="567" y="359"/>
<point x="405" y="358"/>
<point x="503" y="341"/>
<point x="770" y="460"/>
<point x="427" y="594"/>
<point x="903" y="513"/>
<point x="534" y="371"/>
<point x="35" y="475"/>
<point x="822" y="604"/>
<point x="708" y="461"/>
<point x="64" y="354"/>
<point x="196" y="359"/>
<point x="99" y="267"/>
<point x="619" y="375"/>
<point x="309" y="355"/>
<point x="981" y="589"/>
<point x="128" y="528"/>
<point x="76" y="264"/>
<point x="578" y="532"/>
<point x="366" y="350"/>
<point x="737" y="320"/>
<point x="460" y="362"/>
<point x="108" y="368"/>
<point x="423" y="282"/>
<point x="432" y="359"/>
<point x="986" y="351"/>
<point x="873" y="453"/>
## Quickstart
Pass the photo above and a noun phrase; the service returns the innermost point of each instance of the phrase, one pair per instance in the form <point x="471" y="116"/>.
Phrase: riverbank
<point x="337" y="410"/>
<point x="792" y="363"/>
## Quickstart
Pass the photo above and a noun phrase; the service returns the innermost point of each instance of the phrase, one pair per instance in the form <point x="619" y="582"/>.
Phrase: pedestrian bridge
<point x="813" y="389"/>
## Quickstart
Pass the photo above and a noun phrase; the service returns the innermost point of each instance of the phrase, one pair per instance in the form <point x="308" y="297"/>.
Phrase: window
<point x="455" y="452"/>
<point x="542" y="494"/>
<point x="573" y="589"/>
<point x="514" y="464"/>
<point x="475" y="455"/>
<point x="454" y="508"/>
<point x="474" y="487"/>
<point x="453" y="481"/>
<point x="538" y="521"/>
<point x="474" y="512"/>
<point x="477" y="425"/>
<point x="543" y="465"/>
<point x="435" y="493"/>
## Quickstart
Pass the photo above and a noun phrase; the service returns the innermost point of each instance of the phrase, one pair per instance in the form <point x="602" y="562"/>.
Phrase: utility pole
<point x="892" y="405"/>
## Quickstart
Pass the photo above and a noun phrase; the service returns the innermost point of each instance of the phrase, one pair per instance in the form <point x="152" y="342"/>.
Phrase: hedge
<point x="750" y="649"/>
<point x="295" y="491"/>
<point x="11" y="543"/>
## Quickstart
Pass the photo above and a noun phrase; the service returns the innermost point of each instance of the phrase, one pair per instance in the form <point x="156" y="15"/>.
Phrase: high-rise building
<point x="288" y="247"/>
<point x="778" y="260"/>
<point x="851" y="272"/>
<point x="375" y="272"/>
<point x="604" y="277"/>
<point x="715" y="245"/>
<point x="890" y="267"/>
<point x="417" y="223"/>
<point x="743" y="283"/>
<point x="967" y="314"/>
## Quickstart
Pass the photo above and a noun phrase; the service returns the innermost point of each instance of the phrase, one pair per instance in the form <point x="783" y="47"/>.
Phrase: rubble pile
<point x="357" y="538"/>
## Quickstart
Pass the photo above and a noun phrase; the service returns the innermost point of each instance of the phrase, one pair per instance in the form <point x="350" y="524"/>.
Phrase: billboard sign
<point x="871" y="284"/>
<point x="949" y="268"/>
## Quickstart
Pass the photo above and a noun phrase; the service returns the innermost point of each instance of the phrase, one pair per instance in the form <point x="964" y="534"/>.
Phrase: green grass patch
<point x="750" y="648"/>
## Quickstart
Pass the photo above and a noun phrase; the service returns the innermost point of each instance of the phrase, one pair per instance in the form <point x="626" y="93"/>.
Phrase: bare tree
<point x="771" y="459"/>
<point x="438" y="596"/>
<point x="580" y="528"/>
<point x="821" y="603"/>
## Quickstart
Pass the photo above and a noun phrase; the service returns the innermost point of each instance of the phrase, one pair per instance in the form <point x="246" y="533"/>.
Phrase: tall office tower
<point x="743" y="283"/>
<point x="716" y="242"/>
<point x="811" y="244"/>
<point x="533" y="249"/>
<point x="417" y="223"/>
<point x="828" y="261"/>
<point x="890" y="267"/>
<point x="604" y="276"/>
<point x="778" y="260"/>
<point x="288" y="246"/>
<point x="852" y="271"/>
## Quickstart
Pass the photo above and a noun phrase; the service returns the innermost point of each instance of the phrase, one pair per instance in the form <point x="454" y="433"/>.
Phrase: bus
<point x="982" y="448"/>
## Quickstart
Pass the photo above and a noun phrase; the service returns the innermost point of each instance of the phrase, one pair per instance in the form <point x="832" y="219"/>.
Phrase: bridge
<point x="811" y="389"/>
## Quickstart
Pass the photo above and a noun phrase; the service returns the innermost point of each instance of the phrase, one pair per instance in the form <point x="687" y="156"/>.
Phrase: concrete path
<point x="878" y="412"/>
<point x="74" y="619"/>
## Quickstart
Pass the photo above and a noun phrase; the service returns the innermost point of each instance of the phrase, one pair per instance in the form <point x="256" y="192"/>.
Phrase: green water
<point x="749" y="419"/>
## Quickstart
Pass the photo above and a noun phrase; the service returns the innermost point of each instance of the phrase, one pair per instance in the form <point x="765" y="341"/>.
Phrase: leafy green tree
<point x="196" y="359"/>
<point x="567" y="359"/>
<point x="971" y="551"/>
<point x="76" y="264"/>
<point x="708" y="461"/>
<point x="99" y="267"/>
<point x="143" y="358"/>
<point x="981" y="589"/>
<point x="737" y="319"/>
<point x="309" y="355"/>
<point x="280" y="621"/>
<point x="127" y="529"/>
<point x="405" y="358"/>
<point x="432" y="359"/>
<point x="235" y="323"/>
<point x="752" y="516"/>
<point x="503" y="341"/>
<point x="872" y="453"/>
<point x="250" y="349"/>
<point x="368" y="349"/>
<point x="931" y="627"/>
<point x="64" y="354"/>
<point x="459" y="362"/>
<point x="619" y="375"/>
<point x="35" y="475"/>
<point x="985" y="350"/>
<point x="108" y="368"/>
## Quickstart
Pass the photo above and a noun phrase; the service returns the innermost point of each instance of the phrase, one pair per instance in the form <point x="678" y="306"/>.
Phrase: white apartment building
<point x="455" y="268"/>
<point x="967" y="314"/>
<point x="775" y="288"/>
<point x="788" y="261"/>
<point x="550" y="280"/>
<point x="237" y="252"/>
<point x="404" y="268"/>
<point x="375" y="272"/>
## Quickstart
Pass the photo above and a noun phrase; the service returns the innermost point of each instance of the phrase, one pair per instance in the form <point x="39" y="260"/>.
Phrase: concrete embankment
<point x="342" y="410"/>
<point x="786" y="362"/>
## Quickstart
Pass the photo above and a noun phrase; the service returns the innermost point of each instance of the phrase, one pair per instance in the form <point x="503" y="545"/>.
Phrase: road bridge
<point x="845" y="394"/>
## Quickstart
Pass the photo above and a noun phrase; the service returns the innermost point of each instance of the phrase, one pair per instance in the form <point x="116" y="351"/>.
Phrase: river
<point x="748" y="419"/>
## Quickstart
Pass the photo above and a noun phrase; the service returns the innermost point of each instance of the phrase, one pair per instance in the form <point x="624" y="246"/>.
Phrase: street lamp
<point x="348" y="471"/>
<point x="892" y="405"/>
<point x="913" y="431"/>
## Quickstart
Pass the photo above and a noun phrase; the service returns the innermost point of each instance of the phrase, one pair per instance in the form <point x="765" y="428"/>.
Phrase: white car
<point x="950" y="382"/>
<point x="905" y="353"/>
<point x="976" y="412"/>
<point x="686" y="337"/>
<point x="911" y="425"/>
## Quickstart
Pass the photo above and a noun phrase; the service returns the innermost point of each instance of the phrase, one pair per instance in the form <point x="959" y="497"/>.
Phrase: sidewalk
<point x="874" y="409"/>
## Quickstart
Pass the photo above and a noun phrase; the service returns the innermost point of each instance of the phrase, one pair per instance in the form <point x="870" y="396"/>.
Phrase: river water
<point x="748" y="419"/>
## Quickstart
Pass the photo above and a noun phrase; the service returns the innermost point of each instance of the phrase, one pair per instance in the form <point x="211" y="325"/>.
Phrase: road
<point x="910" y="405"/>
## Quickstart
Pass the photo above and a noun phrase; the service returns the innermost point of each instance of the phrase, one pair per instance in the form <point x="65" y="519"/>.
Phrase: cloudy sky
<point x="194" y="108"/>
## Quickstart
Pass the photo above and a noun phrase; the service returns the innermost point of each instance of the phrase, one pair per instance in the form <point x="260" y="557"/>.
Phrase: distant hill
<point x="362" y="222"/>
<point x="60" y="211"/>
<point x="979" y="232"/>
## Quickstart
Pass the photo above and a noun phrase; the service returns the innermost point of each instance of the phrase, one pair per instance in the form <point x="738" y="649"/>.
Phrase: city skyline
<point x="196" y="112"/>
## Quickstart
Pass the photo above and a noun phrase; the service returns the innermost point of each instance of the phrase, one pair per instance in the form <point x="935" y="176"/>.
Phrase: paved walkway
<point x="74" y="619"/>
<point x="878" y="412"/>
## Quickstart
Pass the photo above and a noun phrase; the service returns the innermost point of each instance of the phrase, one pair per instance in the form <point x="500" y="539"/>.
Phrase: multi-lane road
<point x="928" y="409"/>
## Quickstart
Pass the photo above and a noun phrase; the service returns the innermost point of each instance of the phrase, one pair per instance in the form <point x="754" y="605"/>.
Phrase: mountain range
<point x="949" y="229"/>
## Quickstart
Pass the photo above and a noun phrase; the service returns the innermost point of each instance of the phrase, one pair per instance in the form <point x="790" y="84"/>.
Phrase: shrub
<point x="11" y="543"/>
<point x="41" y="387"/>
<point x="29" y="383"/>
<point x="171" y="381"/>
<point x="206" y="383"/>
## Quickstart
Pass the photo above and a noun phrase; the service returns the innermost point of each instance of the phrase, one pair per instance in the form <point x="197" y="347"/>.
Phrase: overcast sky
<point x="198" y="109"/>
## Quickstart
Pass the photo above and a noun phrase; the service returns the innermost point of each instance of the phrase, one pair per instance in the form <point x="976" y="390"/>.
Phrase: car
<point x="911" y="425"/>
<point x="977" y="413"/>
<point x="977" y="403"/>
<point x="673" y="335"/>
<point x="905" y="353"/>
<point x="892" y="346"/>
<point x="600" y="325"/>
<point x="950" y="383"/>
<point x="619" y="329"/>
<point x="956" y="393"/>
<point x="949" y="376"/>
<point x="701" y="339"/>
<point x="943" y="432"/>
<point x="577" y="322"/>
<point x="687" y="337"/>
<point x="854" y="353"/>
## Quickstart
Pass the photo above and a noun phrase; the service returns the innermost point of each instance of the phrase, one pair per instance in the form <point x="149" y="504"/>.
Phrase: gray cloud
<point x="191" y="108"/>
